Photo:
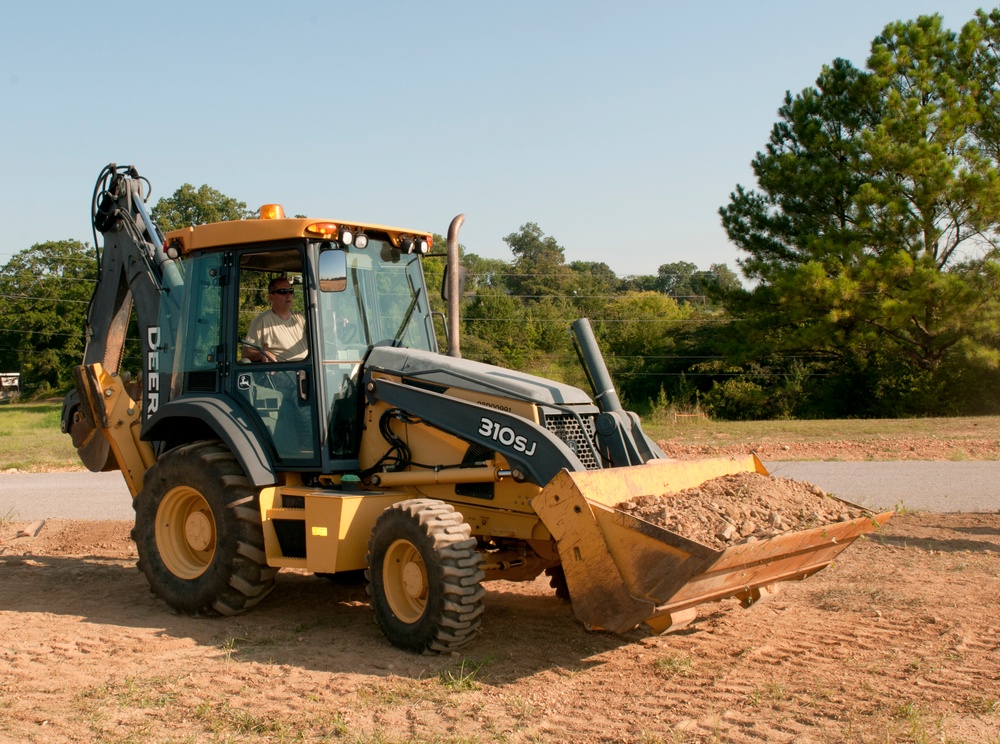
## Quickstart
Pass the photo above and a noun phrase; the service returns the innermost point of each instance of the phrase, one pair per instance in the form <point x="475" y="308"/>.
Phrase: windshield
<point x="381" y="300"/>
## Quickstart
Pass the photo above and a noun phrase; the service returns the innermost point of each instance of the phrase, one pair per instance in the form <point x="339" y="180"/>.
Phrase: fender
<point x="228" y="423"/>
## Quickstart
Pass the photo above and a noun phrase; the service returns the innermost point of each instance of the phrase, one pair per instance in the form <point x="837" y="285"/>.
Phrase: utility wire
<point x="43" y="299"/>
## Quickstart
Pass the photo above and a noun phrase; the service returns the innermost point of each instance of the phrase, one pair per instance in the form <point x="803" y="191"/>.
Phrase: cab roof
<point x="243" y="232"/>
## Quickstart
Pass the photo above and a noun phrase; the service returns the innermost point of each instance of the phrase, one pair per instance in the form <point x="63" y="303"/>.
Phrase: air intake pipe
<point x="593" y="364"/>
<point x="621" y="440"/>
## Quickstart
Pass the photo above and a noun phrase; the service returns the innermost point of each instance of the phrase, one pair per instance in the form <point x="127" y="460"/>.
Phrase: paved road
<point x="30" y="496"/>
<point x="923" y="486"/>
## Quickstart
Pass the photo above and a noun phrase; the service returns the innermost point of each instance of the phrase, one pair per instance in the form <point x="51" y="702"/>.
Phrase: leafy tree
<point x="720" y="280"/>
<point x="637" y="331"/>
<point x="190" y="206"/>
<point x="640" y="283"/>
<point x="979" y="60"/>
<point x="483" y="272"/>
<point x="872" y="231"/>
<point x="45" y="291"/>
<point x="677" y="279"/>
<point x="496" y="329"/>
<point x="686" y="283"/>
<point x="593" y="284"/>
<point x="539" y="269"/>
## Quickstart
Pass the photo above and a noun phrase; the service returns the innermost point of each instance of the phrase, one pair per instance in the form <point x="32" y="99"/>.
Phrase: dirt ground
<point x="889" y="448"/>
<point x="898" y="640"/>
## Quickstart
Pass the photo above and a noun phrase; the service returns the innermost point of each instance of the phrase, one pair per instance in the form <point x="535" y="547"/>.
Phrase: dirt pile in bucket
<point x="740" y="508"/>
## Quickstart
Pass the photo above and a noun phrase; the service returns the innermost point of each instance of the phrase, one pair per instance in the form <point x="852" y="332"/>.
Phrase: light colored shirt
<point x="286" y="339"/>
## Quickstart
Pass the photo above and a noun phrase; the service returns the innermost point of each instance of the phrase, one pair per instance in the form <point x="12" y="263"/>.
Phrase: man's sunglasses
<point x="283" y="291"/>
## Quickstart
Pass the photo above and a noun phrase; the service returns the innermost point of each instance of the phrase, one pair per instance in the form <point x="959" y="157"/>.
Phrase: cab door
<point x="280" y="396"/>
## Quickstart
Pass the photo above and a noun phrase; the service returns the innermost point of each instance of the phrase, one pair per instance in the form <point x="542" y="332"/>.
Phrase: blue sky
<point x="619" y="128"/>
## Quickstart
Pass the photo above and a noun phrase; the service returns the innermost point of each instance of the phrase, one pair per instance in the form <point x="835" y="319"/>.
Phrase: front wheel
<point x="424" y="576"/>
<point x="198" y="532"/>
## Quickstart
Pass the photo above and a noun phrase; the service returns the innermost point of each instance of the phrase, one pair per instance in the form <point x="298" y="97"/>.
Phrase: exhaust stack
<point x="454" y="287"/>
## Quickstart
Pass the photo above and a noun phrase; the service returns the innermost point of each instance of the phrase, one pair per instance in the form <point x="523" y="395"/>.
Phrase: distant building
<point x="10" y="385"/>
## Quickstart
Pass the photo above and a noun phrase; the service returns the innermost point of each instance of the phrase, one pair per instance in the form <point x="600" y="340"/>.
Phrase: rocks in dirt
<point x="742" y="507"/>
<point x="32" y="529"/>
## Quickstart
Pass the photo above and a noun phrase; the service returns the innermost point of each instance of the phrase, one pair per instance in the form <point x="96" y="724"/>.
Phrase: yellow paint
<point x="119" y="420"/>
<point x="336" y="526"/>
<point x="241" y="232"/>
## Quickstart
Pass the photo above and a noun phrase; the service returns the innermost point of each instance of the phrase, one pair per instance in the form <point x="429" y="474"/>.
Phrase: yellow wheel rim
<point x="185" y="532"/>
<point x="404" y="578"/>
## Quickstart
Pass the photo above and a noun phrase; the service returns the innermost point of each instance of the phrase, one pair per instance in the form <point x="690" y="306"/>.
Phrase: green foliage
<point x="686" y="283"/>
<point x="482" y="273"/>
<point x="636" y="332"/>
<point x="754" y="391"/>
<point x="190" y="206"/>
<point x="496" y="331"/>
<point x="539" y="270"/>
<point x="45" y="291"/>
<point x="872" y="233"/>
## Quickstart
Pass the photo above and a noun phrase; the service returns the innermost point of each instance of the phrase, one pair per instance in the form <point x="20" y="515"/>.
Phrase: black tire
<point x="424" y="577"/>
<point x="198" y="532"/>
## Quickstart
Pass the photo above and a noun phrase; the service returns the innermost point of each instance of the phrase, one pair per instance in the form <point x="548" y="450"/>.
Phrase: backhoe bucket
<point x="622" y="570"/>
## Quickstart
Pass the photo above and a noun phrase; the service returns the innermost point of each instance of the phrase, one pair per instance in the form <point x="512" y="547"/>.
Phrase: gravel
<point x="743" y="507"/>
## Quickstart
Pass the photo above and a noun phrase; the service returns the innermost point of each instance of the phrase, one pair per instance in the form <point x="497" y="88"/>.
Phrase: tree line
<point x="868" y="242"/>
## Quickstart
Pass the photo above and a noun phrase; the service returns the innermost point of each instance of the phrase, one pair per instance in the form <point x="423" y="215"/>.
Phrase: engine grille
<point x="579" y="438"/>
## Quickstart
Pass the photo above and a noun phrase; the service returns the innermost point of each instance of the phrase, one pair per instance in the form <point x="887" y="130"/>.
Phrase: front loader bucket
<point x="622" y="571"/>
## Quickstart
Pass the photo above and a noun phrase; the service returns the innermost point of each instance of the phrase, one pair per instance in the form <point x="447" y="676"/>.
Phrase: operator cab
<point x="350" y="295"/>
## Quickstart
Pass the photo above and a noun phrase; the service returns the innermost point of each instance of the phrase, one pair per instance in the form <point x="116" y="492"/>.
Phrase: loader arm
<point x="535" y="454"/>
<point x="134" y="272"/>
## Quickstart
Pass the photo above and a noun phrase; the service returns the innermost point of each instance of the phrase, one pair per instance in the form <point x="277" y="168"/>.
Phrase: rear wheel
<point x="198" y="532"/>
<point x="424" y="576"/>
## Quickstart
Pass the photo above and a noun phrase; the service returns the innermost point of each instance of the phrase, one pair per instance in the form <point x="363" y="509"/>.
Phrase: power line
<point x="43" y="299"/>
<point x="574" y="296"/>
<point x="32" y="330"/>
<point x="574" y="273"/>
<point x="59" y="279"/>
<point x="605" y="320"/>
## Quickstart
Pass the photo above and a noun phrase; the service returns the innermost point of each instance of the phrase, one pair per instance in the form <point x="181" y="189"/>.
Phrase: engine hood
<point x="445" y="371"/>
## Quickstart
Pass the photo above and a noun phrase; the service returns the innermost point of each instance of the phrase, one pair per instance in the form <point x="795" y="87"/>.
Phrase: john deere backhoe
<point x="374" y="452"/>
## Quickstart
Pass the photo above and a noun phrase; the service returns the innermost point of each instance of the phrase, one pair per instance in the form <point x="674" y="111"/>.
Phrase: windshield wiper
<point x="406" y="318"/>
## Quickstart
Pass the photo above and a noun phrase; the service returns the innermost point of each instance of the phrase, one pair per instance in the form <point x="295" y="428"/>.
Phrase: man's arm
<point x="254" y="337"/>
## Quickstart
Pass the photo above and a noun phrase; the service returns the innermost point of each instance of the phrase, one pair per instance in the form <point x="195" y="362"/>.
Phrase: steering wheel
<point x="255" y="347"/>
<point x="348" y="333"/>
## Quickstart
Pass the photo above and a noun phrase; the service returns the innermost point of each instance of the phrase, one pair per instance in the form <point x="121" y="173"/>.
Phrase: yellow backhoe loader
<point x="369" y="450"/>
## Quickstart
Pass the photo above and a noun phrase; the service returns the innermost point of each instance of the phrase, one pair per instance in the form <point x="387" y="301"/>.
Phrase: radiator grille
<point x="579" y="438"/>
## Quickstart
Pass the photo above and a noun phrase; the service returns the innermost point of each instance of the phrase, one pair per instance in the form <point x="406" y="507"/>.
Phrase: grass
<point x="131" y="692"/>
<point x="30" y="438"/>
<point x="724" y="433"/>
<point x="673" y="665"/>
<point x="130" y="709"/>
<point x="463" y="677"/>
